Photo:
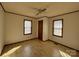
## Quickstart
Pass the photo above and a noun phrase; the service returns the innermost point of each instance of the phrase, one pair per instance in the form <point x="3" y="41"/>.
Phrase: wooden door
<point x="40" y="29"/>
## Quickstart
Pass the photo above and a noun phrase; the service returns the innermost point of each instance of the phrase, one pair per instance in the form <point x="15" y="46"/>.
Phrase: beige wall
<point x="1" y="29"/>
<point x="14" y="28"/>
<point x="70" y="31"/>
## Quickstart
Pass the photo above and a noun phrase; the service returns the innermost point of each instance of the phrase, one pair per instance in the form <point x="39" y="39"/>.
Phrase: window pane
<point x="58" y="27"/>
<point x="27" y="26"/>
<point x="58" y="31"/>
<point x="27" y="30"/>
<point x="27" y="23"/>
<point x="58" y="24"/>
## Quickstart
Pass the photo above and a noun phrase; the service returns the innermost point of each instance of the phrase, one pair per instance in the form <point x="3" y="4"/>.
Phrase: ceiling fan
<point x="39" y="11"/>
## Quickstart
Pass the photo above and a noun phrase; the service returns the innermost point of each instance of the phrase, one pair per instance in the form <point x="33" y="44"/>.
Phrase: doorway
<point x="40" y="29"/>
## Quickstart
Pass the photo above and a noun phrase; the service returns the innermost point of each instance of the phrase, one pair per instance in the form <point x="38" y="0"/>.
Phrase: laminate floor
<point x="37" y="48"/>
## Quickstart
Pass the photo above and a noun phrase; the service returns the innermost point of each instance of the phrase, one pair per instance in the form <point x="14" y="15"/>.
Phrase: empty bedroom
<point x="39" y="29"/>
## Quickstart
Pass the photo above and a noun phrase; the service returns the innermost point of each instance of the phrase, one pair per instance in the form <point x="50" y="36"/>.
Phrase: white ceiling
<point x="53" y="8"/>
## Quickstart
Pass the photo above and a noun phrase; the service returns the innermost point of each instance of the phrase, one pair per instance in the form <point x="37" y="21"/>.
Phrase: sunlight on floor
<point x="11" y="51"/>
<point x="64" y="54"/>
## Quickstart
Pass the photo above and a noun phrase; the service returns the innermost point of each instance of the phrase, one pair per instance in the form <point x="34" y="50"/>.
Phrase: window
<point x="58" y="27"/>
<point x="27" y="27"/>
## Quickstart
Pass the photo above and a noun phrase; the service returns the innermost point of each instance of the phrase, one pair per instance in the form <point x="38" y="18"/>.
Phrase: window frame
<point x="61" y="29"/>
<point x="24" y="27"/>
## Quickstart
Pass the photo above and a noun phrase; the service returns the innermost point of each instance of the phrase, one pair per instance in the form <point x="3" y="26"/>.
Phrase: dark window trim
<point x="53" y="27"/>
<point x="24" y="27"/>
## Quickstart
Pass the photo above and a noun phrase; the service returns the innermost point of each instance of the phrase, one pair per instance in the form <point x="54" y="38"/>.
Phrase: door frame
<point x="42" y="29"/>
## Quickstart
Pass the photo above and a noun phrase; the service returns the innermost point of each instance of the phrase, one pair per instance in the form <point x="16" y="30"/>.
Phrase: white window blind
<point x="27" y="27"/>
<point x="58" y="27"/>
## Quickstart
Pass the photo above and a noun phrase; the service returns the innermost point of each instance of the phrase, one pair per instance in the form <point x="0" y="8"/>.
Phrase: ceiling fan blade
<point x="41" y="11"/>
<point x="35" y="9"/>
<point x="38" y="13"/>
